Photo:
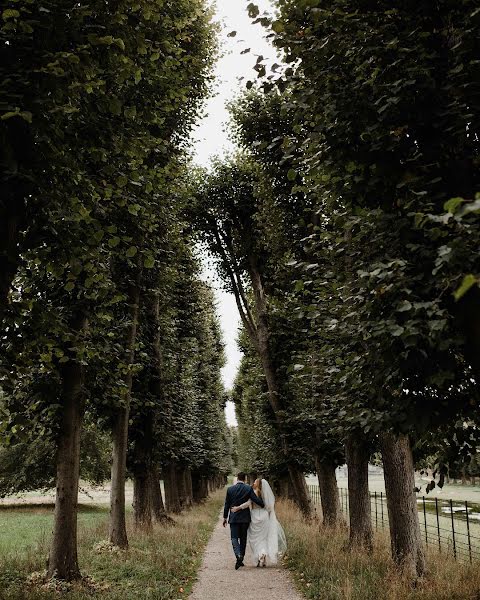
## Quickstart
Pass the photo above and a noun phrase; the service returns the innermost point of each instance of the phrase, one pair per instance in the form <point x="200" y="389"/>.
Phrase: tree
<point x="375" y="154"/>
<point x="96" y="161"/>
<point x="226" y="215"/>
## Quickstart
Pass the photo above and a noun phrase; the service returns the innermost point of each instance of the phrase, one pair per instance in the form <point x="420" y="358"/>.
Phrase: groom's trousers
<point x="238" y="533"/>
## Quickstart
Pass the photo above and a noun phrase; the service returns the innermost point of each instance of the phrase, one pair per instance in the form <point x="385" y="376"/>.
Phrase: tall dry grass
<point x="325" y="570"/>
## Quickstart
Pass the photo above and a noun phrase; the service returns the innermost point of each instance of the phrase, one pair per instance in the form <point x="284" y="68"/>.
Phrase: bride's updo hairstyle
<point x="258" y="487"/>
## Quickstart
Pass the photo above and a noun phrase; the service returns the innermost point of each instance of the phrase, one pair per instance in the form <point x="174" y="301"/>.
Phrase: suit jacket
<point x="238" y="494"/>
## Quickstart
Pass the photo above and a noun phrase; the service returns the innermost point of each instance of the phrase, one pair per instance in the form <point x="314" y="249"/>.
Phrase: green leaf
<point x="113" y="242"/>
<point x="131" y="251"/>
<point x="10" y="13"/>
<point x="122" y="181"/>
<point x="69" y="286"/>
<point x="405" y="306"/>
<point x="24" y="114"/>
<point x="115" y="106"/>
<point x="299" y="286"/>
<point x="278" y="26"/>
<point x="133" y="209"/>
<point x="468" y="282"/>
<point x="452" y="205"/>
<point x="253" y="10"/>
<point x="130" y="112"/>
<point x="292" y="175"/>
<point x="149" y="262"/>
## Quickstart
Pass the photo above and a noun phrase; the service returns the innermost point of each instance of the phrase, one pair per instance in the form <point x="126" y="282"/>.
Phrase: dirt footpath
<point x="218" y="580"/>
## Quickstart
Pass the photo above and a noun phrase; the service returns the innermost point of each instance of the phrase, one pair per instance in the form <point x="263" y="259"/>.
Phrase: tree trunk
<point x="199" y="485"/>
<point x="158" y="507"/>
<point x="142" y="499"/>
<point x="118" y="529"/>
<point x="172" y="496"/>
<point x="297" y="478"/>
<point x="406" y="541"/>
<point x="185" y="499"/>
<point x="283" y="487"/>
<point x="258" y="331"/>
<point x="300" y="496"/>
<point x="187" y="474"/>
<point x="142" y="437"/>
<point x="63" y="560"/>
<point x="327" y="481"/>
<point x="361" y="529"/>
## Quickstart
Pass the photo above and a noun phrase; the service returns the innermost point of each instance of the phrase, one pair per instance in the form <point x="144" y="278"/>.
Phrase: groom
<point x="239" y="521"/>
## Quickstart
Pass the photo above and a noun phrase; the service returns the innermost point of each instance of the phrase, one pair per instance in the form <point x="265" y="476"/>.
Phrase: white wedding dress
<point x="266" y="537"/>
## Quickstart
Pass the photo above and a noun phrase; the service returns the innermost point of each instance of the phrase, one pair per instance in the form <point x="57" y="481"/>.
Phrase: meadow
<point x="159" y="565"/>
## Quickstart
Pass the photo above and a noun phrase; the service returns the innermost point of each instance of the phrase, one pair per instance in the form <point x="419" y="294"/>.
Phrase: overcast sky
<point x="212" y="139"/>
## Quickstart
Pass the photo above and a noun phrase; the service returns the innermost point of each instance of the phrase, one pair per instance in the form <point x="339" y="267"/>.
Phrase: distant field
<point x="457" y="492"/>
<point x="87" y="495"/>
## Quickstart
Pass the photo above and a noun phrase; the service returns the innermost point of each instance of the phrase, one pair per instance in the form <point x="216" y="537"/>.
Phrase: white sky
<point x="211" y="137"/>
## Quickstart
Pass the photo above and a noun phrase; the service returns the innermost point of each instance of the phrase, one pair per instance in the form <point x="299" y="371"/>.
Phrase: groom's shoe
<point x="239" y="563"/>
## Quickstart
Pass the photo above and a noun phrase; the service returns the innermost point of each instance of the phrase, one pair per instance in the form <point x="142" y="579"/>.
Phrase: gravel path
<point x="218" y="580"/>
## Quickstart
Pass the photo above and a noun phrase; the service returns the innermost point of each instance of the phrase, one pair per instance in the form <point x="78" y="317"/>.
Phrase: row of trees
<point x="347" y="228"/>
<point x="106" y="325"/>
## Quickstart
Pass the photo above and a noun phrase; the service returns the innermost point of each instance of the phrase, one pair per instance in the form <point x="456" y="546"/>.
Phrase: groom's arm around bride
<point x="238" y="494"/>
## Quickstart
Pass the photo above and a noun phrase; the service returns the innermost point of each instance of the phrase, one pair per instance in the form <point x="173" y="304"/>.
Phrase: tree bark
<point x="172" y="496"/>
<point x="187" y="474"/>
<point x="118" y="529"/>
<point x="327" y="481"/>
<point x="361" y="528"/>
<point x="261" y="339"/>
<point x="406" y="541"/>
<point x="158" y="506"/>
<point x="283" y="487"/>
<point x="63" y="560"/>
<point x="184" y="497"/>
<point x="142" y="437"/>
<point x="199" y="485"/>
<point x="142" y="499"/>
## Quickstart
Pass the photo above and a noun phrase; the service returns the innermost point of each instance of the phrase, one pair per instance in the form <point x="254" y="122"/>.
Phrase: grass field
<point x="158" y="566"/>
<point x="324" y="570"/>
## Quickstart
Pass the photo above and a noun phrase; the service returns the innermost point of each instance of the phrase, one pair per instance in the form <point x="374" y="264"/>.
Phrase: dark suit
<point x="239" y="521"/>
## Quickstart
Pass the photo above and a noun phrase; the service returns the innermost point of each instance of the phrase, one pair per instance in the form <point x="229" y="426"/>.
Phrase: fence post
<point x="381" y="507"/>
<point x="453" y="531"/>
<point x="376" y="512"/>
<point x="468" y="532"/>
<point x="438" y="525"/>
<point x="425" y="520"/>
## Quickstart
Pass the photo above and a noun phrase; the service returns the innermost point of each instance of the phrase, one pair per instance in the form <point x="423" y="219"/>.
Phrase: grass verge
<point x="324" y="570"/>
<point x="160" y="565"/>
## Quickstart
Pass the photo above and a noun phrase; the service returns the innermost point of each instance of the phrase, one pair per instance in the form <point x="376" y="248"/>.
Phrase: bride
<point x="265" y="534"/>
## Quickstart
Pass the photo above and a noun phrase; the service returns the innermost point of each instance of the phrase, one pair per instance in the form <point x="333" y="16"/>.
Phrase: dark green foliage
<point x="30" y="465"/>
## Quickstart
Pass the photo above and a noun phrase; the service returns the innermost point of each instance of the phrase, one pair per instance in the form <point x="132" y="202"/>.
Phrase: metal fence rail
<point x="450" y="526"/>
